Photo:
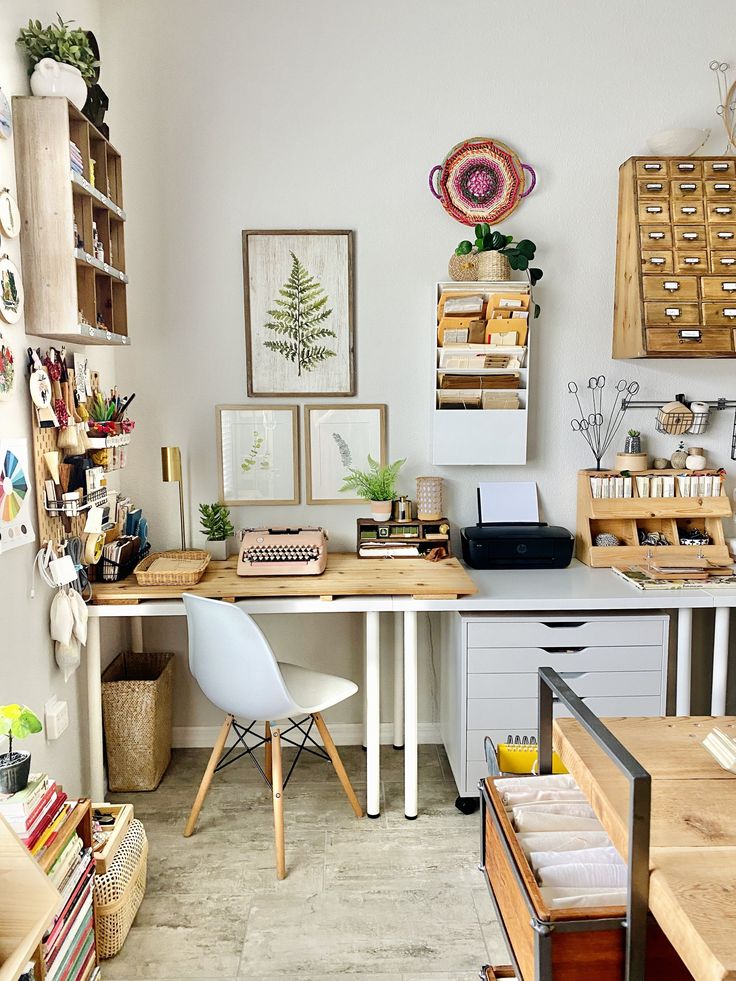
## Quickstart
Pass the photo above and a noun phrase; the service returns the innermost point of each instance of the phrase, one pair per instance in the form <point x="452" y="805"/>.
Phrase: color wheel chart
<point x="15" y="495"/>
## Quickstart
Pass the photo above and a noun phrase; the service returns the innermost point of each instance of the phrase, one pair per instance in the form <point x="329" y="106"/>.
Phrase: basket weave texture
<point x="119" y="892"/>
<point x="492" y="265"/>
<point x="193" y="563"/>
<point x="136" y="712"/>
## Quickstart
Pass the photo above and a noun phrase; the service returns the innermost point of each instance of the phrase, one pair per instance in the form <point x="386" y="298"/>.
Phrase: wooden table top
<point x="345" y="575"/>
<point x="692" y="887"/>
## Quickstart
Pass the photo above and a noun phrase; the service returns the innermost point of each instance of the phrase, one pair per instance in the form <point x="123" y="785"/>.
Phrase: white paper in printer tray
<point x="506" y="502"/>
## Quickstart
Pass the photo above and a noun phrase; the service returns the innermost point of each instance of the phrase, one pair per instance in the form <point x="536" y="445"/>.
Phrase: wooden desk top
<point x="692" y="887"/>
<point x="345" y="575"/>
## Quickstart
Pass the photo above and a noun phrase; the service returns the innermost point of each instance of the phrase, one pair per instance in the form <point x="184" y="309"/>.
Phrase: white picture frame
<point x="258" y="454"/>
<point x="338" y="438"/>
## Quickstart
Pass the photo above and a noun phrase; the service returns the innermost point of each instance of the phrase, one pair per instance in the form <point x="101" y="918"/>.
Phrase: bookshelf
<point x="625" y="517"/>
<point x="71" y="295"/>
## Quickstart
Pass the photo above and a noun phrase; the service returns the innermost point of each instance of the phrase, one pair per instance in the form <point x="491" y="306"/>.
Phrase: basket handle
<point x="533" y="184"/>
<point x="432" y="188"/>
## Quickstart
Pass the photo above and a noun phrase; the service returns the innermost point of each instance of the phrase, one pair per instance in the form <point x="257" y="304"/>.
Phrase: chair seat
<point x="313" y="691"/>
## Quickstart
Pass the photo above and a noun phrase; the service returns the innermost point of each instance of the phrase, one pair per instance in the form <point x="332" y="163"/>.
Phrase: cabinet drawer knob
<point x="719" y="166"/>
<point x="657" y="260"/>
<point x="654" y="209"/>
<point x="654" y="187"/>
<point x="729" y="312"/>
<point x="728" y="287"/>
<point x="690" y="236"/>
<point x="671" y="285"/>
<point x="693" y="336"/>
<point x="685" y="166"/>
<point x="656" y="235"/>
<point x="689" y="211"/>
<point x="692" y="260"/>
<point x="727" y="261"/>
<point x="652" y="166"/>
<point x="688" y="187"/>
<point x="721" y="186"/>
<point x="726" y="235"/>
<point x="722" y="211"/>
<point x="672" y="312"/>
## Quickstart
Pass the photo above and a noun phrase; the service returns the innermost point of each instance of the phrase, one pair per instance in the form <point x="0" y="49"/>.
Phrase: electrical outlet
<point x="56" y="717"/>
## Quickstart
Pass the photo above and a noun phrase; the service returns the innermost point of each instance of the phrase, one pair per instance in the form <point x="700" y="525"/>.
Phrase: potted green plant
<point x="62" y="60"/>
<point x="377" y="484"/>
<point x="16" y="722"/>
<point x="494" y="255"/>
<point x="217" y="527"/>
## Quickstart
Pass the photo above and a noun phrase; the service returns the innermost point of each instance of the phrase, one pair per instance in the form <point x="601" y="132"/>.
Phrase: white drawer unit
<point x="616" y="662"/>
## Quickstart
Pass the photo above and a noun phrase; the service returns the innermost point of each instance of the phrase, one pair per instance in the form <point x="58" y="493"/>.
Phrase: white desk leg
<point x="364" y="693"/>
<point x="720" y="660"/>
<point x="96" y="787"/>
<point x="410" y="715"/>
<point x="684" y="658"/>
<point x="136" y="635"/>
<point x="373" y="712"/>
<point x="398" y="681"/>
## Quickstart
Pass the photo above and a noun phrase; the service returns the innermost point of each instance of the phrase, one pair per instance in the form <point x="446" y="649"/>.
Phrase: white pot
<point x="677" y="142"/>
<point x="55" y="78"/>
<point x="218" y="550"/>
<point x="381" y="510"/>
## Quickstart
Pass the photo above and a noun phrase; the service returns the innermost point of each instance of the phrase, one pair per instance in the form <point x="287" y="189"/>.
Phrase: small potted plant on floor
<point x="16" y="722"/>
<point x="377" y="484"/>
<point x="62" y="60"/>
<point x="217" y="528"/>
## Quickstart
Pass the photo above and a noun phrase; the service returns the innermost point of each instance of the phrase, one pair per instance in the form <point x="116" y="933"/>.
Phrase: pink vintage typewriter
<point x="282" y="552"/>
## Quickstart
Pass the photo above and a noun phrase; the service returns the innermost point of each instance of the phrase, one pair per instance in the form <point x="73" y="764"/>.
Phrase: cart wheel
<point x="467" y="805"/>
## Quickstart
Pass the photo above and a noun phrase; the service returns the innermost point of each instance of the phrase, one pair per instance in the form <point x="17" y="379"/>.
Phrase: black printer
<point x="517" y="546"/>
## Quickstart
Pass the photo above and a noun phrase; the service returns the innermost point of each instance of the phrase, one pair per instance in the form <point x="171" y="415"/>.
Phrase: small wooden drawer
<point x="656" y="262"/>
<point x="690" y="236"/>
<point x="720" y="188"/>
<point x="720" y="313"/>
<point x="686" y="168"/>
<point x="704" y="342"/>
<point x="654" y="187"/>
<point x="720" y="211"/>
<point x="687" y="188"/>
<point x="651" y="168"/>
<point x="722" y="236"/>
<point x="688" y="261"/>
<point x="671" y="313"/>
<point x="719" y="288"/>
<point x="656" y="236"/>
<point x="654" y="211"/>
<point x="721" y="262"/>
<point x="677" y="287"/>
<point x="687" y="212"/>
<point x="719" y="168"/>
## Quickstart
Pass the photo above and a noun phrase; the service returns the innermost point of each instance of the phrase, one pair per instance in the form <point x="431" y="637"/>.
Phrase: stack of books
<point x="76" y="159"/>
<point x="36" y="813"/>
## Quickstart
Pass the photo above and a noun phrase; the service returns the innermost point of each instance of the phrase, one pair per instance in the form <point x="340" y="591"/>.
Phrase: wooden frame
<point x="308" y="411"/>
<point x="257" y="408"/>
<point x="252" y="387"/>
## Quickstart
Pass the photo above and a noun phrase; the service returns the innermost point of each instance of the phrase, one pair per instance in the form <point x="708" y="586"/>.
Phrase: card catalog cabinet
<point x="676" y="258"/>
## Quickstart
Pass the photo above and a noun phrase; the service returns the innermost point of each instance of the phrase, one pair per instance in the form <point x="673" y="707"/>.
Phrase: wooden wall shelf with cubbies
<point x="625" y="517"/>
<point x="70" y="293"/>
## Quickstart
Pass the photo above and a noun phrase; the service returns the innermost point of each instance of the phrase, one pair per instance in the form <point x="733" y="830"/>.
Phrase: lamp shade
<point x="170" y="464"/>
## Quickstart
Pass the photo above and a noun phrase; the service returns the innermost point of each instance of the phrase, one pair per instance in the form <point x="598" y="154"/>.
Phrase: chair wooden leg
<point x="269" y="753"/>
<point x="277" y="786"/>
<point x="337" y="763"/>
<point x="208" y="774"/>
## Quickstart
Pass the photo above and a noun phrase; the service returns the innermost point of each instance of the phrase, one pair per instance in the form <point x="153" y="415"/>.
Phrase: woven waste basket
<point x="136" y="711"/>
<point x="119" y="892"/>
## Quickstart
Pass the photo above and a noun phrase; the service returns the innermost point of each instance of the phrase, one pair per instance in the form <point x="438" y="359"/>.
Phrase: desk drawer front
<point x="583" y="683"/>
<point x="565" y="633"/>
<point x="513" y="714"/>
<point x="523" y="659"/>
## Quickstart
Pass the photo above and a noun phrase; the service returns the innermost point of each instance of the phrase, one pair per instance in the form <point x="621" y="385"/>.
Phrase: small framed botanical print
<point x="340" y="438"/>
<point x="258" y="453"/>
<point x="299" y="329"/>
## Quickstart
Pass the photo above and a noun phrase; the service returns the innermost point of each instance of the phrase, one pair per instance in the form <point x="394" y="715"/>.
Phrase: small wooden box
<point x="123" y="814"/>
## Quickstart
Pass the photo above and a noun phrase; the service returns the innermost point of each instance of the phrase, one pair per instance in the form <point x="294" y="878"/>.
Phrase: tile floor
<point x="386" y="899"/>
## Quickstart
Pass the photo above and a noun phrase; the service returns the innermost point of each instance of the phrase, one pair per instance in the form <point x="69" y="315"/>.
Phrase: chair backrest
<point x="233" y="662"/>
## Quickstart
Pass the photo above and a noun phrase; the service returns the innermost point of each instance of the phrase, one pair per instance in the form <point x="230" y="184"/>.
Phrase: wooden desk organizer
<point x="625" y="517"/>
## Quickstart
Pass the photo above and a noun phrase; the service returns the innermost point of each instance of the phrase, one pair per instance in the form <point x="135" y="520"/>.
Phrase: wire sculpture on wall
<point x="726" y="108"/>
<point x="599" y="427"/>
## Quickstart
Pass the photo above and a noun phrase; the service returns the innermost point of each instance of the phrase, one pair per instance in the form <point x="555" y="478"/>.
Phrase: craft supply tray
<point x="193" y="565"/>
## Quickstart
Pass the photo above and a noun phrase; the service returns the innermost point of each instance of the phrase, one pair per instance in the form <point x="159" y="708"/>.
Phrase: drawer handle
<point x="690" y="236"/>
<point x="727" y="261"/>
<point x="654" y="209"/>
<point x="729" y="312"/>
<point x="689" y="211"/>
<point x="561" y="624"/>
<point x="657" y="261"/>
<point x="656" y="235"/>
<point x="685" y="166"/>
<point x="693" y="336"/>
<point x="721" y="187"/>
<point x="722" y="211"/>
<point x="688" y="187"/>
<point x="691" y="261"/>
<point x="672" y="312"/>
<point x="562" y="650"/>
<point x="719" y="166"/>
<point x="654" y="187"/>
<point x="653" y="166"/>
<point x="728" y="287"/>
<point x="726" y="235"/>
<point x="574" y="675"/>
<point x="671" y="285"/>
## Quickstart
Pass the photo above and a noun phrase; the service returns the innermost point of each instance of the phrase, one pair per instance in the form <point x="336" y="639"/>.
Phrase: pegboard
<point x="50" y="526"/>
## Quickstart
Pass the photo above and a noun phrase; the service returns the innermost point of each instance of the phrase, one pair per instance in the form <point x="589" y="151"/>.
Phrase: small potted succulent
<point x="63" y="62"/>
<point x="632" y="443"/>
<point x="217" y="527"/>
<point x="377" y="484"/>
<point x="16" y="722"/>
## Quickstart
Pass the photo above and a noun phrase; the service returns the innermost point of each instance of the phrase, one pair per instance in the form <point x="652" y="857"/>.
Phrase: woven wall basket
<point x="119" y="892"/>
<point x="492" y="265"/>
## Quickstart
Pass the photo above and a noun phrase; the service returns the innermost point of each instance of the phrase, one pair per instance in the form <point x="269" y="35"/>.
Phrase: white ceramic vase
<point x="381" y="510"/>
<point x="55" y="78"/>
<point x="217" y="550"/>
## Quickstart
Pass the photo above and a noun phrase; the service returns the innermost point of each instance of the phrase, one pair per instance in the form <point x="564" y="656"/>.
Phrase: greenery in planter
<point x="216" y="523"/>
<point x="519" y="254"/>
<point x="375" y="484"/>
<point x="60" y="42"/>
<point x="16" y="722"/>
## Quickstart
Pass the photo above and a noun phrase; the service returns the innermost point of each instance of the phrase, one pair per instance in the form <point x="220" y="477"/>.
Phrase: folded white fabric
<point x="557" y="898"/>
<point x="589" y="856"/>
<point x="512" y="798"/>
<point x="550" y="781"/>
<point x="562" y="841"/>
<point x="579" y="809"/>
<point x="587" y="875"/>
<point x="531" y="819"/>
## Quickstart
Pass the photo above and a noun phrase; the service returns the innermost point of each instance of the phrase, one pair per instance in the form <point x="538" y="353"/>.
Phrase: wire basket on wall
<point x="679" y="423"/>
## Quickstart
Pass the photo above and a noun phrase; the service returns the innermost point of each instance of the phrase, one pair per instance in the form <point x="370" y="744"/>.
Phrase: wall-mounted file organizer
<point x="626" y="514"/>
<point x="480" y="373"/>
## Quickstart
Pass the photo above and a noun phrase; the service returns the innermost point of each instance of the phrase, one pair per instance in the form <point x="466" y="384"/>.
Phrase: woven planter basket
<point x="492" y="265"/>
<point x="136" y="712"/>
<point x="461" y="268"/>
<point x="119" y="892"/>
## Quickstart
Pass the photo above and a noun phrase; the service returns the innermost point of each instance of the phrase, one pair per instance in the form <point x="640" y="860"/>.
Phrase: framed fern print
<point x="338" y="438"/>
<point x="258" y="454"/>
<point x="299" y="331"/>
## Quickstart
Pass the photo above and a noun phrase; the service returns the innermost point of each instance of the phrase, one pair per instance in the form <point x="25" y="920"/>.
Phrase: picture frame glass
<point x="340" y="439"/>
<point x="258" y="455"/>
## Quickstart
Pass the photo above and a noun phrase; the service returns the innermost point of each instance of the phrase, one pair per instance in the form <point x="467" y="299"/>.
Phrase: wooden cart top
<point x="345" y="575"/>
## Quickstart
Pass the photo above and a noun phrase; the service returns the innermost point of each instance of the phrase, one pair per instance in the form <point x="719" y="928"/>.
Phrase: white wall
<point x="330" y="114"/>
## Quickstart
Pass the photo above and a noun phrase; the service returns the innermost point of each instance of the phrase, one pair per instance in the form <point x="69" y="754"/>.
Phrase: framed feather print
<point x="299" y="330"/>
<point x="340" y="438"/>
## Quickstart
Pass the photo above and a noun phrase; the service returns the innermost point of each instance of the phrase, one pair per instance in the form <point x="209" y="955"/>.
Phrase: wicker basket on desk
<point x="119" y="892"/>
<point x="195" y="562"/>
